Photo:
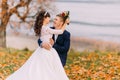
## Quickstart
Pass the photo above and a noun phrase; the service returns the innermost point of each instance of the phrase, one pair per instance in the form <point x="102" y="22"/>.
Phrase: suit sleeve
<point x="66" y="45"/>
<point x="39" y="42"/>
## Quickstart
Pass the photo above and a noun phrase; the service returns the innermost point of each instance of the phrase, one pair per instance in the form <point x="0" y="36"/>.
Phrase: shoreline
<point x="82" y="43"/>
<point x="21" y="42"/>
<point x="77" y="43"/>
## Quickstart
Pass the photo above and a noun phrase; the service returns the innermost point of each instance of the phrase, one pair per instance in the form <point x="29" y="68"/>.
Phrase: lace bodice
<point x="47" y="32"/>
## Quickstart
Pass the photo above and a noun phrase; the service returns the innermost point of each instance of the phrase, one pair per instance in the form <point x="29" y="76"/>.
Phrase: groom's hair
<point x="64" y="15"/>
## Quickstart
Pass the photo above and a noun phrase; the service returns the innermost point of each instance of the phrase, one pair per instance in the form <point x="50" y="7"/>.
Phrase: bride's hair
<point x="64" y="15"/>
<point x="39" y="22"/>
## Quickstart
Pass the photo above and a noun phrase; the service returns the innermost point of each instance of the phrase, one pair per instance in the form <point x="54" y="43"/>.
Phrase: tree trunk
<point x="3" y="39"/>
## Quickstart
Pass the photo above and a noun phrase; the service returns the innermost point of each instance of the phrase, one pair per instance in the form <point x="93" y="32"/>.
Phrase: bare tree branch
<point x="21" y="4"/>
<point x="10" y="7"/>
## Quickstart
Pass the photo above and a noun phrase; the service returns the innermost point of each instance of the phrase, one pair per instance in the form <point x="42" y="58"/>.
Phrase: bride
<point x="43" y="64"/>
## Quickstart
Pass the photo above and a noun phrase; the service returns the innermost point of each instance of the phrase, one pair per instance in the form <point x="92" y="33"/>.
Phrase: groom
<point x="61" y="42"/>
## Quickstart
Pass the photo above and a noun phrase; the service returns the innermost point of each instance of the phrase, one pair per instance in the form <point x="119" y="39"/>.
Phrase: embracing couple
<point x="48" y="60"/>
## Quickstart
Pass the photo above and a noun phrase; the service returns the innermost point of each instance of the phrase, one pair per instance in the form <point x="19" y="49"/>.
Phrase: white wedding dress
<point x="43" y="64"/>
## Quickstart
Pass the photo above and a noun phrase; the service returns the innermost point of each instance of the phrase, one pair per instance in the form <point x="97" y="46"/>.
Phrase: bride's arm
<point x="60" y="31"/>
<point x="54" y="31"/>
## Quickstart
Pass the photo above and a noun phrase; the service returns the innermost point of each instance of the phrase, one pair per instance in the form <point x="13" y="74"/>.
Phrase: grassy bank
<point x="81" y="44"/>
<point x="95" y="65"/>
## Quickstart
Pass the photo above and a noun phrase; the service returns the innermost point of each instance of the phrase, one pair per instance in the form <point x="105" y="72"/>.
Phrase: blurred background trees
<point x="24" y="11"/>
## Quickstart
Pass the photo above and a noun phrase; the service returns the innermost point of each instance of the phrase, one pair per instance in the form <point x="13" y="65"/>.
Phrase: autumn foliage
<point x="96" y="65"/>
<point x="21" y="10"/>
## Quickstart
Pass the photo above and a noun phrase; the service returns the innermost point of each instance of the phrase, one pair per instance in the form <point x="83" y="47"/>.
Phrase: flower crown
<point x="65" y="14"/>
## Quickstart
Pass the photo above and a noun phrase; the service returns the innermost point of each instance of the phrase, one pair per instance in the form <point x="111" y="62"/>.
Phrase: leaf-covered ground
<point x="96" y="65"/>
<point x="11" y="60"/>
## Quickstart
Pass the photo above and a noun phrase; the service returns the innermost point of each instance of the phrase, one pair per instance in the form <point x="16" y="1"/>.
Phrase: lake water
<point x="98" y="20"/>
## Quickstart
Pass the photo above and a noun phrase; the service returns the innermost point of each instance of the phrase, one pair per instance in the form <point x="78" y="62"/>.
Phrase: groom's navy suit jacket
<point x="61" y="45"/>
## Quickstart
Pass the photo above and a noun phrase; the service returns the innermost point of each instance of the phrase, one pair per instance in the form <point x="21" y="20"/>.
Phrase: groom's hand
<point x="51" y="41"/>
<point x="46" y="45"/>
